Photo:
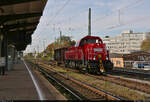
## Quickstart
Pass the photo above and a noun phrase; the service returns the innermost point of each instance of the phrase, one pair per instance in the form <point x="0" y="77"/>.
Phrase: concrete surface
<point x="18" y="85"/>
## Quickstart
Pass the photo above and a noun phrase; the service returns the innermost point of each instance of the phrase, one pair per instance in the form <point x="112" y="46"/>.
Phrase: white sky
<point x="71" y="16"/>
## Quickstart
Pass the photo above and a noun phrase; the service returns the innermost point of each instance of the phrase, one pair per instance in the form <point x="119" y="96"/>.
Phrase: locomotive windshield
<point x="89" y="41"/>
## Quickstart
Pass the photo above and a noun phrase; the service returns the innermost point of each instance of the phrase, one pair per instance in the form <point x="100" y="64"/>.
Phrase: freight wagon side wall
<point x="59" y="55"/>
<point x="63" y="50"/>
<point x="74" y="54"/>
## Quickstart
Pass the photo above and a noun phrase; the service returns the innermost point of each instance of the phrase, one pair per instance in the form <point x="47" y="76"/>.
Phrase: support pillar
<point x="1" y="68"/>
<point x="6" y="52"/>
<point x="2" y="55"/>
<point x="14" y="55"/>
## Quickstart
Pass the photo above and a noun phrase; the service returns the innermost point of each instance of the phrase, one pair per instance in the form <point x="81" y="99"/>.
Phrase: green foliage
<point x="64" y="41"/>
<point x="145" y="45"/>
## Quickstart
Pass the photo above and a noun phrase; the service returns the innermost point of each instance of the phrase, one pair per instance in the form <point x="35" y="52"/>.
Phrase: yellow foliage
<point x="145" y="45"/>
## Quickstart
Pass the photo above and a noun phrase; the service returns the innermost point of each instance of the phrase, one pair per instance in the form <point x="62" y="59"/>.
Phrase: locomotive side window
<point x="83" y="42"/>
<point x="93" y="41"/>
<point x="89" y="41"/>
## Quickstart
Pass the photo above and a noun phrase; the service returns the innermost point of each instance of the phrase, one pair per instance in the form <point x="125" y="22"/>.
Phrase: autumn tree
<point x="145" y="45"/>
<point x="50" y="49"/>
<point x="63" y="41"/>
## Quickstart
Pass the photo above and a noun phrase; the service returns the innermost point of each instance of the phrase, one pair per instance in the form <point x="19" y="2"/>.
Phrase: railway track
<point x="135" y="85"/>
<point x="136" y="71"/>
<point x="131" y="74"/>
<point x="126" y="82"/>
<point x="132" y="84"/>
<point x="77" y="88"/>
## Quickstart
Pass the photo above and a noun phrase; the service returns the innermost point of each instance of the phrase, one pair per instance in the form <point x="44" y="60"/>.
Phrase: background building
<point x="127" y="42"/>
<point x="134" y="59"/>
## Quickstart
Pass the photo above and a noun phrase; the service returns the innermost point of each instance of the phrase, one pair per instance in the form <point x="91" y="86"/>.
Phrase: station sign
<point x="2" y="61"/>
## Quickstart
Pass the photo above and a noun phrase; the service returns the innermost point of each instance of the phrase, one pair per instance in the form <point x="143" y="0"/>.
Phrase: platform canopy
<point x="19" y="19"/>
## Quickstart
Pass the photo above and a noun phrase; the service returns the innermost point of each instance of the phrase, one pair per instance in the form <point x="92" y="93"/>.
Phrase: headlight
<point x="98" y="49"/>
<point x="94" y="57"/>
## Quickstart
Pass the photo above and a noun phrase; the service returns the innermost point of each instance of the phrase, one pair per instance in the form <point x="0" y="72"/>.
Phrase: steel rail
<point x="52" y="78"/>
<point x="96" y="90"/>
<point x="131" y="81"/>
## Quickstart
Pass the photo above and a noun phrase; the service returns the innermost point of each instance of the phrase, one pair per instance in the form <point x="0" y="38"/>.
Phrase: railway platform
<point x="23" y="83"/>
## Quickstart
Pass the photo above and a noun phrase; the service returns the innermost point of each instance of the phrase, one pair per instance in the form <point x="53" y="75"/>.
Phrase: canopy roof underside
<point x="19" y="19"/>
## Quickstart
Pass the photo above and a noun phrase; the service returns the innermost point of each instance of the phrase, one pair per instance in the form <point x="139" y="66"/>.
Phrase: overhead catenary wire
<point x="131" y="22"/>
<point x="131" y="5"/>
<point x="55" y="16"/>
<point x="127" y="6"/>
<point x="120" y="24"/>
<point x="120" y="9"/>
<point x="59" y="11"/>
<point x="124" y="24"/>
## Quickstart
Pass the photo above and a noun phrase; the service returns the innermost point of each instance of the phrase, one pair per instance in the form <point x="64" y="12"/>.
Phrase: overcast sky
<point x="71" y="17"/>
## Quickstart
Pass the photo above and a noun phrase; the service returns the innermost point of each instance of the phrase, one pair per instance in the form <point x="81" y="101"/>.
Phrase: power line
<point x="131" y="5"/>
<point x="131" y="22"/>
<point x="119" y="12"/>
<point x="67" y="2"/>
<point x="125" y="7"/>
<point x="119" y="18"/>
<point x="59" y="11"/>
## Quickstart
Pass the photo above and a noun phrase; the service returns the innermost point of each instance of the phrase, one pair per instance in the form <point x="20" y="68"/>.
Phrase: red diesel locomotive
<point x="89" y="53"/>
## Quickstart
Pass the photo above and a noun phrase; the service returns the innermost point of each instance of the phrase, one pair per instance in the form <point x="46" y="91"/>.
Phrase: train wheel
<point x="93" y="71"/>
<point x="77" y="66"/>
<point x="96" y="71"/>
<point x="66" y="65"/>
<point x="109" y="66"/>
<point x="87" y="68"/>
